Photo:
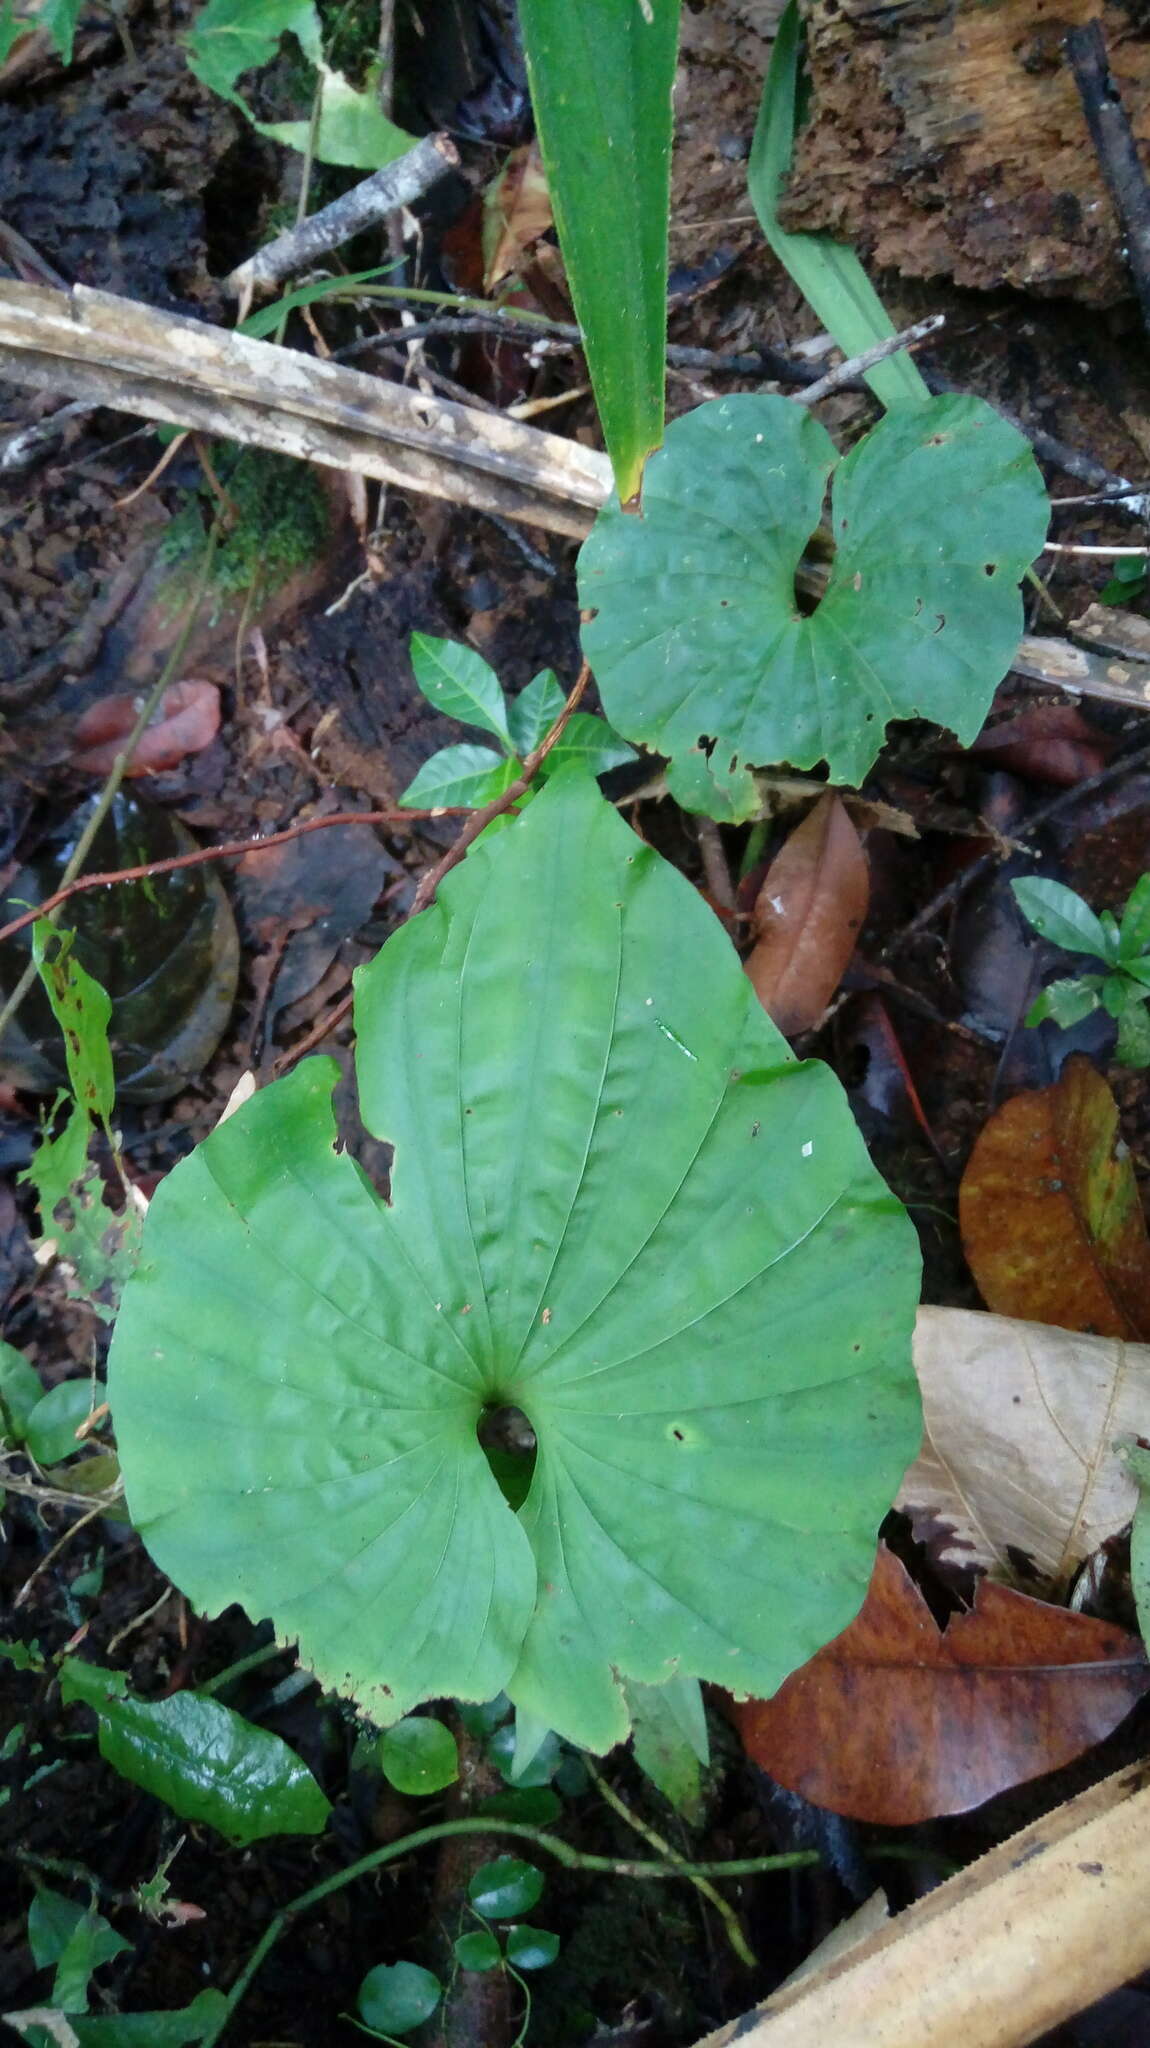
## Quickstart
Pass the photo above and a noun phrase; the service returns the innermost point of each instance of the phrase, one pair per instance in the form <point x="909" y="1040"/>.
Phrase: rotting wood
<point x="1051" y="1920"/>
<point x="113" y="351"/>
<point x="950" y="140"/>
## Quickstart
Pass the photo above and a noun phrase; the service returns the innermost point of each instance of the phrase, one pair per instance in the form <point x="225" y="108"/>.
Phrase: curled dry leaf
<point x="807" y="917"/>
<point x="897" y="1720"/>
<point x="516" y="211"/>
<point x="187" y="721"/>
<point x="1051" y="1219"/>
<point x="1019" y="1470"/>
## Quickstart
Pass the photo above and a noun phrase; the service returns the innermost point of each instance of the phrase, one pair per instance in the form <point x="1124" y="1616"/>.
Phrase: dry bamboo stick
<point x="112" y="351"/>
<point x="1048" y="1922"/>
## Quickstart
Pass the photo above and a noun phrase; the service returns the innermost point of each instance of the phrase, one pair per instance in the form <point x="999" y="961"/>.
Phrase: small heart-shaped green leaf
<point x="699" y="636"/>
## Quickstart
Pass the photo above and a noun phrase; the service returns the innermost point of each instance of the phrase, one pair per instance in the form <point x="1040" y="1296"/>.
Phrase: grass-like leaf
<point x="601" y="74"/>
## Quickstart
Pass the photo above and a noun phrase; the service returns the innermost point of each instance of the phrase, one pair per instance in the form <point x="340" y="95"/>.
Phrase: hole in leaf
<point x="988" y="568"/>
<point x="509" y="1444"/>
<point x="820" y="548"/>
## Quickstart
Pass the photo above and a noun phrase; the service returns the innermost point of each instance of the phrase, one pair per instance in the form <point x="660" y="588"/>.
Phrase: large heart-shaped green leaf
<point x="620" y="1206"/>
<point x="699" y="636"/>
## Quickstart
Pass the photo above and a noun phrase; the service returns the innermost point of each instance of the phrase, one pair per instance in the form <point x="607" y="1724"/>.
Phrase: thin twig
<point x="1065" y="801"/>
<point x="228" y="849"/>
<point x="1116" y="149"/>
<point x="715" y="868"/>
<point x="1105" y="554"/>
<point x="398" y="184"/>
<point x="551" y="1845"/>
<point x="99" y="1507"/>
<point x="703" y="1885"/>
<point x="479" y="820"/>
<point x="856" y="366"/>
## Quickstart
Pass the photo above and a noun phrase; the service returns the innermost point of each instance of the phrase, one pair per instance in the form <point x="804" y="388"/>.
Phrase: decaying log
<point x="113" y="351"/>
<point x="947" y="138"/>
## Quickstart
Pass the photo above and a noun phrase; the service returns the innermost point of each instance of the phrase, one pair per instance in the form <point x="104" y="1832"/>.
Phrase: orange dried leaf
<point x="1051" y="1219"/>
<point x="897" y="1720"/>
<point x="807" y="917"/>
<point x="186" y="722"/>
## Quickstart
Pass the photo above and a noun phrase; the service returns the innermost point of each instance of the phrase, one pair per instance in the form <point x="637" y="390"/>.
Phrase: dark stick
<point x="1115" y="148"/>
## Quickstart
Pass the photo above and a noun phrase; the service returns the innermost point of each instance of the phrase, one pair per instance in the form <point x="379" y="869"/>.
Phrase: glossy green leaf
<point x="698" y="635"/>
<point x="701" y="781"/>
<point x="670" y="1739"/>
<point x="419" y="1755"/>
<point x="828" y="273"/>
<point x="531" y="715"/>
<point x="20" y="1392"/>
<point x="199" y="2021"/>
<point x="1134" y="935"/>
<point x="204" y="1761"/>
<point x="590" y="744"/>
<point x="234" y="36"/>
<point x="504" y="1887"/>
<point x="52" y="1425"/>
<point x="536" y="1806"/>
<point x="531" y="1948"/>
<point x="396" y="1997"/>
<point x="527" y="1764"/>
<point x="61" y="19"/>
<point x="478" y="1951"/>
<point x="1060" y="915"/>
<point x="465" y="774"/>
<point x="618" y="1205"/>
<point x="353" y="128"/>
<point x="72" y="1940"/>
<point x="458" y="682"/>
<point x="1065" y="1002"/>
<point x="601" y="74"/>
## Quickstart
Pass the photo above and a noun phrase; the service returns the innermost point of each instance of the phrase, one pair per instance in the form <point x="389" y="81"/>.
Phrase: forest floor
<point x="123" y="172"/>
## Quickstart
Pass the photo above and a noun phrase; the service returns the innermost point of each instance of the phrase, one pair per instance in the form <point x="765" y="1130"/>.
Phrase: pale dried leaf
<point x="1019" y="1473"/>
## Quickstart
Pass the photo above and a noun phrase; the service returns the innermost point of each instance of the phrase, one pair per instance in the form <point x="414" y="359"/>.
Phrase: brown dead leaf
<point x="807" y="917"/>
<point x="187" y="721"/>
<point x="516" y="211"/>
<point x="1051" y="1219"/>
<point x="1018" y="1470"/>
<point x="897" y="1720"/>
<point x="1047" y="743"/>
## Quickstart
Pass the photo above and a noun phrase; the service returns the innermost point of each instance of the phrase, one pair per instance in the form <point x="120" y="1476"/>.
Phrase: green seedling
<point x="458" y="682"/>
<point x="1123" y="948"/>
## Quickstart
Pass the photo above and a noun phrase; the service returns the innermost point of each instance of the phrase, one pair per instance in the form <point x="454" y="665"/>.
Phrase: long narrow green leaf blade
<point x="601" y="74"/>
<point x="828" y="273"/>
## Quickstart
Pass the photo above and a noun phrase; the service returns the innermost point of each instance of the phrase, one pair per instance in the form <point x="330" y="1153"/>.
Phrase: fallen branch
<point x="1116" y="150"/>
<point x="116" y="352"/>
<point x="1041" y="1927"/>
<point x="399" y="183"/>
